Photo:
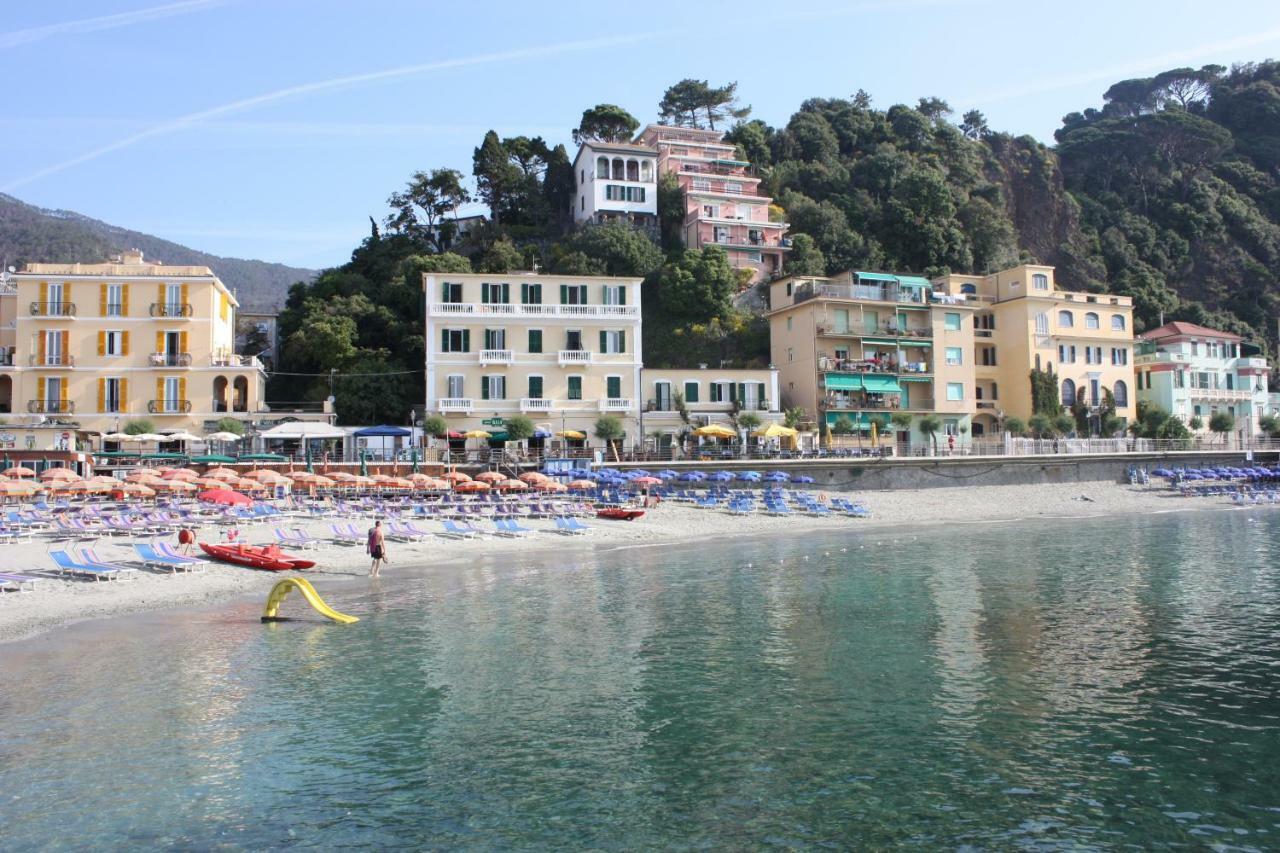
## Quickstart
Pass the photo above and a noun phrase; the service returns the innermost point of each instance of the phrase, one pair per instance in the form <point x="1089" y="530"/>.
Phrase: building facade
<point x="865" y="346"/>
<point x="616" y="182"/>
<point x="707" y="396"/>
<point x="1191" y="371"/>
<point x="1023" y="322"/>
<point x="99" y="345"/>
<point x="562" y="350"/>
<point x="723" y="206"/>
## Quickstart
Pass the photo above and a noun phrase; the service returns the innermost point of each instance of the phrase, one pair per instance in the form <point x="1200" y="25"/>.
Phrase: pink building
<point x="723" y="206"/>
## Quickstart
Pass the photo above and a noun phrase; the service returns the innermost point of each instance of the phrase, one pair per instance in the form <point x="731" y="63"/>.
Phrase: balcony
<point x="170" y="359"/>
<point x="878" y="403"/>
<point x="983" y="333"/>
<point x="1220" y="394"/>
<point x="53" y="309"/>
<point x="455" y="404"/>
<point x="924" y="332"/>
<point x="6" y="359"/>
<point x="233" y="360"/>
<point x="50" y="360"/>
<point x="496" y="356"/>
<point x="986" y="404"/>
<point x="536" y="404"/>
<point x="171" y="310"/>
<point x="169" y="407"/>
<point x="51" y="407"/>
<point x="846" y="365"/>
<point x="484" y="309"/>
<point x="858" y="292"/>
<point x="573" y="356"/>
<point x="615" y="404"/>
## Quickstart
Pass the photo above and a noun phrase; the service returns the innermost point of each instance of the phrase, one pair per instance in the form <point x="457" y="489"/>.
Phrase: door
<point x="662" y="391"/>
<point x="172" y="348"/>
<point x="573" y="340"/>
<point x="172" y="394"/>
<point x="173" y="300"/>
<point x="53" y="391"/>
<point x="613" y="386"/>
<point x="54" y="304"/>
<point x="53" y="348"/>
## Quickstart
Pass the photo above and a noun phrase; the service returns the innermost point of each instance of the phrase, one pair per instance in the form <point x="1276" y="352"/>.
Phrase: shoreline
<point x="61" y="603"/>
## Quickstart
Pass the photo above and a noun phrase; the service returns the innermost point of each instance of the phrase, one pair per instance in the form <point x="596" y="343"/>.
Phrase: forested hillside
<point x="33" y="234"/>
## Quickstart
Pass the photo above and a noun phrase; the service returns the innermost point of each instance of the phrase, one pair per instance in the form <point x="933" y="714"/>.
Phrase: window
<point x="535" y="387"/>
<point x="1088" y="355"/>
<point x="691" y="392"/>
<point x="495" y="294"/>
<point x="951" y="321"/>
<point x="1067" y="354"/>
<point x="1230" y="381"/>
<point x="1091" y="320"/>
<point x="613" y="387"/>
<point x="1120" y="393"/>
<point x="1117" y="322"/>
<point x="535" y="340"/>
<point x="613" y="343"/>
<point x="1119" y="356"/>
<point x="791" y="354"/>
<point x="495" y="338"/>
<point x="994" y="392"/>
<point x="1195" y="348"/>
<point x="172" y="394"/>
<point x="754" y="257"/>
<point x="573" y="340"/>
<point x="701" y="185"/>
<point x="173" y="300"/>
<point x="455" y="386"/>
<point x="451" y="292"/>
<point x="789" y="322"/>
<point x="988" y="356"/>
<point x="955" y="391"/>
<point x="530" y="294"/>
<point x="711" y="211"/>
<point x="112" y="394"/>
<point x="1068" y="392"/>
<point x="493" y="387"/>
<point x="718" y="392"/>
<point x="573" y="294"/>
<point x="602" y="167"/>
<point x="114" y="343"/>
<point x="969" y="289"/>
<point x="615" y="294"/>
<point x="662" y="396"/>
<point x="115" y="305"/>
<point x="1095" y="392"/>
<point x="455" y="340"/>
<point x="1042" y="324"/>
<point x="954" y="356"/>
<point x="1179" y="379"/>
<point x="614" y="192"/>
<point x="1040" y="281"/>
<point x="575" y="387"/>
<point x="1066" y="320"/>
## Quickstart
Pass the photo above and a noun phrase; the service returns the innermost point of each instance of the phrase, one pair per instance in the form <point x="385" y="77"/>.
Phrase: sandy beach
<point x="58" y="602"/>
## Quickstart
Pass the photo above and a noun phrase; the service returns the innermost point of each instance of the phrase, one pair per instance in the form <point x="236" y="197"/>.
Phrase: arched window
<point x="1120" y="393"/>
<point x="633" y="170"/>
<point x="1091" y="320"/>
<point x="602" y="168"/>
<point x="1066" y="320"/>
<point x="241" y="388"/>
<point x="619" y="169"/>
<point x="220" y="394"/>
<point x="646" y="170"/>
<point x="1040" y="281"/>
<point x="1117" y="322"/>
<point x="1068" y="392"/>
<point x="969" y="288"/>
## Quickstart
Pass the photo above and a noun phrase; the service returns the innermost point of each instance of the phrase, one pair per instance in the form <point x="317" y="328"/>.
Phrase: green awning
<point x="211" y="458"/>
<point x="731" y="162"/>
<point x="881" y="385"/>
<point x="861" y="420"/>
<point x="888" y="342"/>
<point x="118" y="454"/>
<point x="843" y="382"/>
<point x="915" y="343"/>
<point x="876" y="276"/>
<point x="909" y="378"/>
<point x="263" y="457"/>
<point x="915" y="282"/>
<point x="498" y="436"/>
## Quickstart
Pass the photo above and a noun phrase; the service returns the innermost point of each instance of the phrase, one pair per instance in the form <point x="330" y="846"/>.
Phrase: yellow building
<point x="1024" y="322"/>
<point x="708" y="396"/>
<point x="98" y="345"/>
<point x="563" y="350"/>
<point x="868" y="344"/>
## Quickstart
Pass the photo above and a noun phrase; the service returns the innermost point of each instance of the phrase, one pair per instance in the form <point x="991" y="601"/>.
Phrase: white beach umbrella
<point x="223" y="436"/>
<point x="117" y="436"/>
<point x="182" y="435"/>
<point x="148" y="436"/>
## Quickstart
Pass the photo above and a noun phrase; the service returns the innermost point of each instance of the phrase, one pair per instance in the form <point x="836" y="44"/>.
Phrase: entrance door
<point x="662" y="391"/>
<point x="172" y="394"/>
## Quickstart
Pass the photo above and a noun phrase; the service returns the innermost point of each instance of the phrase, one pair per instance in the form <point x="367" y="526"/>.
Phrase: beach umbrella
<point x="435" y="485"/>
<point x="223" y="436"/>
<point x="182" y="435"/>
<point x="803" y="479"/>
<point x="532" y="477"/>
<point x="222" y="474"/>
<point x="18" y="471"/>
<point x="511" y="486"/>
<point x="139" y="489"/>
<point x="647" y="481"/>
<point x="693" y="476"/>
<point x="173" y="486"/>
<point x="418" y="477"/>
<point x="225" y="497"/>
<point x="472" y="486"/>
<point x="490" y="477"/>
<point x="17" y="487"/>
<point x="50" y="474"/>
<point x="667" y="474"/>
<point x="143" y="476"/>
<point x="581" y="485"/>
<point x="343" y="476"/>
<point x="456" y="477"/>
<point x="715" y="431"/>
<point x="380" y="478"/>
<point x="263" y="475"/>
<point x="551" y="487"/>
<point x="398" y="483"/>
<point x="572" y="434"/>
<point x="776" y="431"/>
<point x="778" y="477"/>
<point x="180" y="474"/>
<point x="721" y="477"/>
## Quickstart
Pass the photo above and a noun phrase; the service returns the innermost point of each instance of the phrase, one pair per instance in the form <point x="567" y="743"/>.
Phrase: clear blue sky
<point x="273" y="128"/>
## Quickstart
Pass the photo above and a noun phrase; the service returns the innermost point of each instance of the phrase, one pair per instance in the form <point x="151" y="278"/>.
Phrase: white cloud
<point x="17" y="38"/>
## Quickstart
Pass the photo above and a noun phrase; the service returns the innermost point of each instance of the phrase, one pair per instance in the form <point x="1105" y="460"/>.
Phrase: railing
<point x="536" y="404"/>
<point x="170" y="359"/>
<point x="887" y="293"/>
<point x="171" y="309"/>
<point x="615" y="404"/>
<point x="235" y="361"/>
<point x="115" y="309"/>
<point x="913" y="368"/>
<point x="51" y="407"/>
<point x="886" y="403"/>
<point x="983" y="333"/>
<point x="53" y="309"/>
<point x="168" y="407"/>
<point x="454" y="404"/>
<point x="6" y="359"/>
<point x="484" y="309"/>
<point x="1221" y="393"/>
<point x="573" y="356"/>
<point x="51" y="360"/>
<point x="986" y="404"/>
<point x="497" y="356"/>
<point x="879" y="332"/>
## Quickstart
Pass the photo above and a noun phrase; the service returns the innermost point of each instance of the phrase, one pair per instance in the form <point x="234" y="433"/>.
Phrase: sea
<point x="1107" y="683"/>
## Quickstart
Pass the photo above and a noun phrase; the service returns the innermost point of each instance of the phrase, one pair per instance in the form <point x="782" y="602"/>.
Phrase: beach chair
<point x="153" y="558"/>
<point x="89" y="557"/>
<point x="346" y="534"/>
<point x="456" y="530"/>
<point x="296" y="538"/>
<point x="562" y="526"/>
<point x="18" y="583"/>
<point x="68" y="565"/>
<point x="167" y="550"/>
<point x="572" y="525"/>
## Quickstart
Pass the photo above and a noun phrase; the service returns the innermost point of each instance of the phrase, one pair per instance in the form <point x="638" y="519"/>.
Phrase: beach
<point x="59" y="602"/>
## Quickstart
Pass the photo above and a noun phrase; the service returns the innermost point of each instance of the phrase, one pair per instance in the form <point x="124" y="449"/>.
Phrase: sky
<point x="274" y="129"/>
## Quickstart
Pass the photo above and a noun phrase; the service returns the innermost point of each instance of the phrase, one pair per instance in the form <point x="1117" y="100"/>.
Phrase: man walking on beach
<point x="377" y="548"/>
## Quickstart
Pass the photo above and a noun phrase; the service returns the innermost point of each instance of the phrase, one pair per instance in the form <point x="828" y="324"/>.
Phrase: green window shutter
<point x="760" y="393"/>
<point x="535" y="340"/>
<point x="575" y="387"/>
<point x="691" y="392"/>
<point x="733" y="392"/>
<point x="536" y="292"/>
<point x="444" y="291"/>
<point x="506" y="293"/>
<point x="484" y="387"/>
<point x="535" y="387"/>
<point x="444" y="340"/>
<point x="466" y="340"/>
<point x="524" y="293"/>
<point x="488" y="339"/>
<point x="614" y="387"/>
<point x="564" y="294"/>
<point x="742" y="391"/>
<point x="622" y="294"/>
<point x="582" y="294"/>
<point x="484" y="292"/>
<point x="603" y="340"/>
<point x="622" y="341"/>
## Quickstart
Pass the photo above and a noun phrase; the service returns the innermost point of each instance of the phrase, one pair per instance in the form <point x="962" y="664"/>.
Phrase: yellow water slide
<point x="281" y="590"/>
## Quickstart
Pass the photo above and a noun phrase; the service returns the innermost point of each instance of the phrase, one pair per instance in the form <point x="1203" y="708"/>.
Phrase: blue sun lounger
<point x="19" y="583"/>
<point x="66" y="564"/>
<point x="151" y="556"/>
<point x="459" y="531"/>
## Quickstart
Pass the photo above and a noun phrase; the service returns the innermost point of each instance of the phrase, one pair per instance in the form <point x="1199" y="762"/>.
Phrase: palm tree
<point x="930" y="425"/>
<point x="610" y="430"/>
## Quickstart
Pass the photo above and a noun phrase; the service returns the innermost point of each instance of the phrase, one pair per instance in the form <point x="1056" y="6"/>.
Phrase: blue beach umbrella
<point x="803" y="479"/>
<point x="693" y="476"/>
<point x="749" y="476"/>
<point x="666" y="474"/>
<point x="721" y="477"/>
<point x="778" y="477"/>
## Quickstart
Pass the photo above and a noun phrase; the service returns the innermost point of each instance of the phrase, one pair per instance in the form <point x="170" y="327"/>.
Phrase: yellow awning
<point x="478" y="433"/>
<point x="715" y="431"/>
<point x="776" y="431"/>
<point x="572" y="434"/>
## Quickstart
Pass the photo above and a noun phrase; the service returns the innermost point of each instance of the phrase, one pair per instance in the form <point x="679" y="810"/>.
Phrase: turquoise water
<point x="1103" y="683"/>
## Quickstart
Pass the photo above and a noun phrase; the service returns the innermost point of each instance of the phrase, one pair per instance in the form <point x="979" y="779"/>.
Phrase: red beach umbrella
<point x="226" y="497"/>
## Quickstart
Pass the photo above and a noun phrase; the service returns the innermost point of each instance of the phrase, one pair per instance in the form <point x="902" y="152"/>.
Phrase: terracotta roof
<point x="1179" y="329"/>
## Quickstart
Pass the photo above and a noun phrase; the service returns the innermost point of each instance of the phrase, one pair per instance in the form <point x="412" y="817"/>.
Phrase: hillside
<point x="33" y="234"/>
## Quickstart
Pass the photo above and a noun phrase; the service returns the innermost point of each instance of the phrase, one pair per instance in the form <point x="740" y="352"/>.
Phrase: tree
<point x="1222" y="423"/>
<point x="609" y="429"/>
<point x="682" y="408"/>
<point x="1064" y="424"/>
<point x="934" y="109"/>
<point x="842" y="426"/>
<point x="139" y="426"/>
<point x="519" y="428"/>
<point x="688" y="102"/>
<point x="1045" y="398"/>
<point x="227" y="425"/>
<point x="605" y="123"/>
<point x="1015" y="426"/>
<point x="974" y="125"/>
<point x="748" y="420"/>
<point x="613" y="248"/>
<point x="496" y="176"/>
<point x="1196" y="423"/>
<point x="1040" y="425"/>
<point x="502" y="256"/>
<point x="929" y="426"/>
<point x="435" y="425"/>
<point x="805" y="258"/>
<point x="699" y="286"/>
<point x="1270" y="424"/>
<point x="901" y="420"/>
<point x="794" y="416"/>
<point x="420" y="209"/>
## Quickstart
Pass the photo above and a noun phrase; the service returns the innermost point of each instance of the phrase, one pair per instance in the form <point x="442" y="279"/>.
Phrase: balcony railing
<point x="235" y="361"/>
<point x="536" y="404"/>
<point x="53" y="309"/>
<point x="48" y="360"/>
<point x="170" y="359"/>
<point x="485" y="309"/>
<point x="862" y="292"/>
<point x="455" y="404"/>
<point x="1221" y="393"/>
<point x="986" y="404"/>
<point x="169" y="407"/>
<point x="573" y="356"/>
<point x="847" y="365"/>
<point x="887" y="402"/>
<point x="615" y="404"/>
<point x="878" y="332"/>
<point x="171" y="309"/>
<point x="497" y="356"/>
<point x="51" y="407"/>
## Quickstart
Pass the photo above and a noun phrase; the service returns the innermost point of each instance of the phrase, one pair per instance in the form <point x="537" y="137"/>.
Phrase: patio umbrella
<point x="225" y="497"/>
<point x="477" y="433"/>
<point x="223" y="436"/>
<point x="173" y="486"/>
<point x="581" y="485"/>
<point x="511" y="486"/>
<point x="116" y="436"/>
<point x="182" y="435"/>
<point x="140" y="489"/>
<point x="715" y="431"/>
<point x="456" y="477"/>
<point x="141" y="476"/>
<point x="472" y="486"/>
<point x="222" y="474"/>
<point x="776" y="431"/>
<point x="147" y="436"/>
<point x="310" y="469"/>
<point x="647" y="481"/>
<point x="490" y="477"/>
<point x="58" y="474"/>
<point x="179" y="474"/>
<point x="551" y="487"/>
<point x="572" y="434"/>
<point x="18" y="471"/>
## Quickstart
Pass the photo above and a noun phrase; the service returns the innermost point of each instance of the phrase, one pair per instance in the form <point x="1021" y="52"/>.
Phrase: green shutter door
<point x="564" y="294"/>
<point x="484" y="387"/>
<point x="760" y="394"/>
<point x="582" y="294"/>
<point x="603" y="341"/>
<point x="535" y="340"/>
<point x="622" y="294"/>
<point x="524" y="293"/>
<point x="506" y="293"/>
<point x="466" y="340"/>
<point x="614" y="387"/>
<point x="444" y="340"/>
<point x="535" y="387"/>
<point x="622" y="341"/>
<point x="484" y="292"/>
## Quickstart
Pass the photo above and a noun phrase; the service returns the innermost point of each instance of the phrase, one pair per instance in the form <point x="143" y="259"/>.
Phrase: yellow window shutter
<point x="159" y="389"/>
<point x="182" y="342"/>
<point x="102" y="343"/>
<point x="124" y="395"/>
<point x="62" y="397"/>
<point x="40" y="388"/>
<point x="224" y="305"/>
<point x="40" y="341"/>
<point x="159" y="341"/>
<point x="182" y="388"/>
<point x="124" y="300"/>
<point x="65" y="348"/>
<point x="160" y="294"/>
<point x="66" y="292"/>
<point x="186" y="293"/>
<point x="102" y="394"/>
<point x="102" y="299"/>
<point x="124" y="342"/>
<point x="44" y="293"/>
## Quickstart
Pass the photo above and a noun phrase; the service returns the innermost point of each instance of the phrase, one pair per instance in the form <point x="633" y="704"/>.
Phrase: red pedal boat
<point x="266" y="557"/>
<point x="618" y="513"/>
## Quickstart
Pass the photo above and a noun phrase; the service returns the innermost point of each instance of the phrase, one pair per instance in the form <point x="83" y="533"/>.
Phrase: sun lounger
<point x="167" y="550"/>
<point x="90" y="558"/>
<point x="346" y="534"/>
<point x="151" y="557"/>
<point x="66" y="564"/>
<point x="457" y="530"/>
<point x="19" y="583"/>
<point x="296" y="538"/>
